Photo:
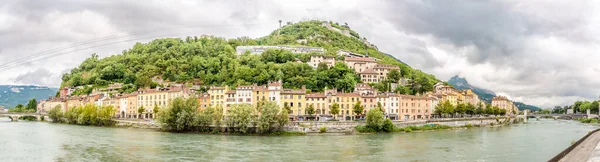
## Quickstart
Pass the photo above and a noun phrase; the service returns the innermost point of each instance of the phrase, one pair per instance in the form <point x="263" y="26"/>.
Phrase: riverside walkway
<point x="586" y="149"/>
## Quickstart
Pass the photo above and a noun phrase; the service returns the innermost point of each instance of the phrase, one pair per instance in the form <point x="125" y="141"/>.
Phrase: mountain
<point x="462" y="84"/>
<point x="213" y="60"/>
<point x="484" y="94"/>
<point x="11" y="95"/>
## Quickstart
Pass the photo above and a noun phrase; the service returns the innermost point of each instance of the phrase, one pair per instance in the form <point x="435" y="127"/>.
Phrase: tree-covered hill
<point x="213" y="61"/>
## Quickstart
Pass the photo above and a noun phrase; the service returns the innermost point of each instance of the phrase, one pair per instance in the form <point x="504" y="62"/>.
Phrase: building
<point x="230" y="99"/>
<point x="66" y="91"/>
<point x="203" y="101"/>
<point x="132" y="105"/>
<point x="364" y="89"/>
<point x="504" y="103"/>
<point x="349" y="54"/>
<point x="259" y="94"/>
<point x="243" y="94"/>
<point x="296" y="101"/>
<point x="369" y="76"/>
<point x="360" y="64"/>
<point x="274" y="89"/>
<point x="3" y="109"/>
<point x="217" y="95"/>
<point x="319" y="102"/>
<point x="346" y="102"/>
<point x="44" y="106"/>
<point x="316" y="60"/>
<point x="294" y="49"/>
<point x="341" y="31"/>
<point x="414" y="107"/>
<point x="383" y="70"/>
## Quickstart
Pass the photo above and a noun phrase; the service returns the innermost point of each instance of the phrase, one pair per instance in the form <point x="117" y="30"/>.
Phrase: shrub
<point x="56" y="114"/>
<point x="375" y="119"/>
<point x="28" y="118"/>
<point x="364" y="129"/>
<point x="388" y="126"/>
<point x="323" y="130"/>
<point x="179" y="116"/>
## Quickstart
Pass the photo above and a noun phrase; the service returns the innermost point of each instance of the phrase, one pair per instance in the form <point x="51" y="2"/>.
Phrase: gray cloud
<point x="529" y="50"/>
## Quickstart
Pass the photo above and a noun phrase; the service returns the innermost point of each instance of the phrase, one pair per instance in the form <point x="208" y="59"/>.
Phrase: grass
<point x="591" y="120"/>
<point x="323" y="130"/>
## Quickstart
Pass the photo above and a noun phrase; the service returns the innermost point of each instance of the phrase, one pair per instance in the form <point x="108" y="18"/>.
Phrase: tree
<point x="268" y="118"/>
<point x="155" y="110"/>
<point x="335" y="109"/>
<point x="380" y="107"/>
<point x="56" y="114"/>
<point x="310" y="110"/>
<point x="461" y="108"/>
<point x="394" y="76"/>
<point x="488" y="109"/>
<point x="32" y="105"/>
<point x="479" y="110"/>
<point x="140" y="111"/>
<point x="375" y="119"/>
<point x="240" y="116"/>
<point x="358" y="108"/>
<point x="282" y="119"/>
<point x="179" y="116"/>
<point x="470" y="109"/>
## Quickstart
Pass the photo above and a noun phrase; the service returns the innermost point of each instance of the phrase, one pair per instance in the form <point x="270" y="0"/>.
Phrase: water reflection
<point x="38" y="141"/>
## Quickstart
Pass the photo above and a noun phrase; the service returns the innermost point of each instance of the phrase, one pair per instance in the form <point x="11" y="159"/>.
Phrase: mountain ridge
<point x="484" y="94"/>
<point x="12" y="95"/>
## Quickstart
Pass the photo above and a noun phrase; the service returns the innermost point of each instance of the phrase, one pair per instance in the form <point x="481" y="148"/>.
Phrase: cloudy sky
<point x="544" y="53"/>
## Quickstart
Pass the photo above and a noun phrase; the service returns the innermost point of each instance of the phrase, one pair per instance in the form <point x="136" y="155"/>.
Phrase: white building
<point x="274" y="89"/>
<point x="294" y="49"/>
<point x="316" y="60"/>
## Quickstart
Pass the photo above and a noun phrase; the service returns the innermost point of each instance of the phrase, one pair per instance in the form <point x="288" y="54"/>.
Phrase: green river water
<point x="42" y="141"/>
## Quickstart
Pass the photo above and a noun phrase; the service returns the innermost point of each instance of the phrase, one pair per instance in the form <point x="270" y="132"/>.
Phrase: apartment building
<point x="414" y="107"/>
<point x="316" y="60"/>
<point x="296" y="100"/>
<point x="217" y="95"/>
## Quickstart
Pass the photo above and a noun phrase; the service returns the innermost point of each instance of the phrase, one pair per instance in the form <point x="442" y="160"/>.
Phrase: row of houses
<point x="448" y="93"/>
<point x="395" y="106"/>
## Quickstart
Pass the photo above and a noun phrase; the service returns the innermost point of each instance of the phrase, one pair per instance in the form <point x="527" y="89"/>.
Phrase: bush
<point x="87" y="115"/>
<point x="56" y="114"/>
<point x="375" y="119"/>
<point x="323" y="130"/>
<point x="388" y="126"/>
<point x="364" y="129"/>
<point x="180" y="115"/>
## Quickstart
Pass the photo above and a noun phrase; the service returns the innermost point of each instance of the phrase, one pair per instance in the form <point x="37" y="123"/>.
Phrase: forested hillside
<point x="213" y="61"/>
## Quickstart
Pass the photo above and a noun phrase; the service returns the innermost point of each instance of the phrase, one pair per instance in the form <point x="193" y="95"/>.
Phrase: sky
<point x="543" y="53"/>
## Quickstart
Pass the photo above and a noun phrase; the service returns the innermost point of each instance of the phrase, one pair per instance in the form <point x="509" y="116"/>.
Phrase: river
<point x="42" y="141"/>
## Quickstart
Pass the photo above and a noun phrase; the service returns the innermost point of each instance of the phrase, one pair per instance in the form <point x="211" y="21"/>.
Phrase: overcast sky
<point x="543" y="53"/>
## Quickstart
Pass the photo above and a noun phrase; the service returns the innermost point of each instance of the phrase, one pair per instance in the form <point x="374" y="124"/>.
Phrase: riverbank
<point x="350" y="127"/>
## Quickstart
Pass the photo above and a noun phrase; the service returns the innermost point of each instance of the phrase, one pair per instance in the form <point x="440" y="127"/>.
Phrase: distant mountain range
<point x="12" y="95"/>
<point x="484" y="94"/>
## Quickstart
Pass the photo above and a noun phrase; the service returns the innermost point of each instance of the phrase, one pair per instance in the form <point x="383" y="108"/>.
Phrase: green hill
<point x="213" y="61"/>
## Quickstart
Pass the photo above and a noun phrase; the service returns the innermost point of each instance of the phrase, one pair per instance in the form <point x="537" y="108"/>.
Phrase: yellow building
<point x="346" y="102"/>
<point x="217" y="95"/>
<point x="452" y="98"/>
<point x="259" y="94"/>
<point x="296" y="100"/>
<point x="132" y="105"/>
<point x="161" y="97"/>
<point x="319" y="102"/>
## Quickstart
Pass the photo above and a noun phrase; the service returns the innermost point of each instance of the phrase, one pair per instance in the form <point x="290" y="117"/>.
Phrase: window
<point x="291" y="104"/>
<point x="299" y="104"/>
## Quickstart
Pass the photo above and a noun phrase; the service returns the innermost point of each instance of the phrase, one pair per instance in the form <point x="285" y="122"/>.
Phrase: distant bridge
<point x="14" y="116"/>
<point x="562" y="116"/>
